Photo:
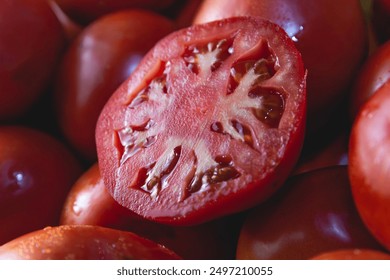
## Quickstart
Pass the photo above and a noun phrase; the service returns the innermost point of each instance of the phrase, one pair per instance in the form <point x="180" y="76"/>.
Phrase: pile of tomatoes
<point x="194" y="129"/>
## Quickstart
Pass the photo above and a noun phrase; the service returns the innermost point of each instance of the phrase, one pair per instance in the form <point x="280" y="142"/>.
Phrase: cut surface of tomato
<point x="209" y="124"/>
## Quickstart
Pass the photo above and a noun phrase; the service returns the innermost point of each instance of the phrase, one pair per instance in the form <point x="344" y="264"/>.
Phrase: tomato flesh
<point x="208" y="123"/>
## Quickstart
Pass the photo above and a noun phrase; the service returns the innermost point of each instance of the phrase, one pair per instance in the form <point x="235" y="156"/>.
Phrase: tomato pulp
<point x="210" y="123"/>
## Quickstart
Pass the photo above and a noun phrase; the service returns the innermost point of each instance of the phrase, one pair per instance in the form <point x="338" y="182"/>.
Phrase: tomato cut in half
<point x="210" y="123"/>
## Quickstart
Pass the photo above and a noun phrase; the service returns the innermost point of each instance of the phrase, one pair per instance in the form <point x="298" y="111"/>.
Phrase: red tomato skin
<point x="83" y="243"/>
<point x="89" y="203"/>
<point x="111" y="119"/>
<point x="368" y="168"/>
<point x="31" y="44"/>
<point x="333" y="153"/>
<point x="353" y="254"/>
<point x="331" y="65"/>
<point x="374" y="73"/>
<point x="36" y="173"/>
<point x="86" y="11"/>
<point x="313" y="213"/>
<point x="85" y="84"/>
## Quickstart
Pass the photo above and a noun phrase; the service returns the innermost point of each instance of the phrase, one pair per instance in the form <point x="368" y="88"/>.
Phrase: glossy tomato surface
<point x="31" y="41"/>
<point x="314" y="213"/>
<point x="36" y="173"/>
<point x="90" y="203"/>
<point x="323" y="31"/>
<point x="83" y="243"/>
<point x="96" y="63"/>
<point x="211" y="122"/>
<point x="86" y="11"/>
<point x="374" y="73"/>
<point x="353" y="254"/>
<point x="369" y="164"/>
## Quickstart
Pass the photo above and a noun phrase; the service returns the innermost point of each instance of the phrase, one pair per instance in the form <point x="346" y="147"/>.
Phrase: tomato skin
<point x="333" y="153"/>
<point x="374" y="73"/>
<point x="315" y="212"/>
<point x="31" y="43"/>
<point x="36" y="173"/>
<point x="86" y="11"/>
<point x="85" y="84"/>
<point x="325" y="44"/>
<point x="353" y="254"/>
<point x="83" y="243"/>
<point x="368" y="168"/>
<point x="176" y="204"/>
<point x="89" y="203"/>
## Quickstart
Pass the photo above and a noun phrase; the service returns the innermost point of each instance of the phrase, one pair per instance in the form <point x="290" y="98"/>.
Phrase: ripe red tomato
<point x="374" y="73"/>
<point x="36" y="173"/>
<point x="211" y="122"/>
<point x="83" y="243"/>
<point x="314" y="213"/>
<point x="323" y="32"/>
<point x="353" y="254"/>
<point x="369" y="164"/>
<point x="90" y="203"/>
<point x="85" y="11"/>
<point x="31" y="40"/>
<point x="96" y="64"/>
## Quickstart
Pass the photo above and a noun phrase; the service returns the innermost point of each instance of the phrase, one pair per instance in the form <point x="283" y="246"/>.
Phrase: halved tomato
<point x="210" y="123"/>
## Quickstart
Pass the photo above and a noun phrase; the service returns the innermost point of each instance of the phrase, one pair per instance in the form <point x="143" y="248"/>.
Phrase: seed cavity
<point x="222" y="172"/>
<point x="208" y="57"/>
<point x="132" y="139"/>
<point x="152" y="178"/>
<point x="271" y="106"/>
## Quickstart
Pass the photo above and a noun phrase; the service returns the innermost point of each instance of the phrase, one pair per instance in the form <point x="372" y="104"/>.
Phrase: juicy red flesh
<point x="204" y="121"/>
<point x="269" y="110"/>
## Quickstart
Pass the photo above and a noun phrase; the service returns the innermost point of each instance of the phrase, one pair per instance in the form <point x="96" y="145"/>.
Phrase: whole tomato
<point x="86" y="11"/>
<point x="83" y="243"/>
<point x="314" y="213"/>
<point x="36" y="173"/>
<point x="97" y="62"/>
<point x="374" y="73"/>
<point x="90" y="203"/>
<point x="323" y="32"/>
<point x="31" y="42"/>
<point x="369" y="150"/>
